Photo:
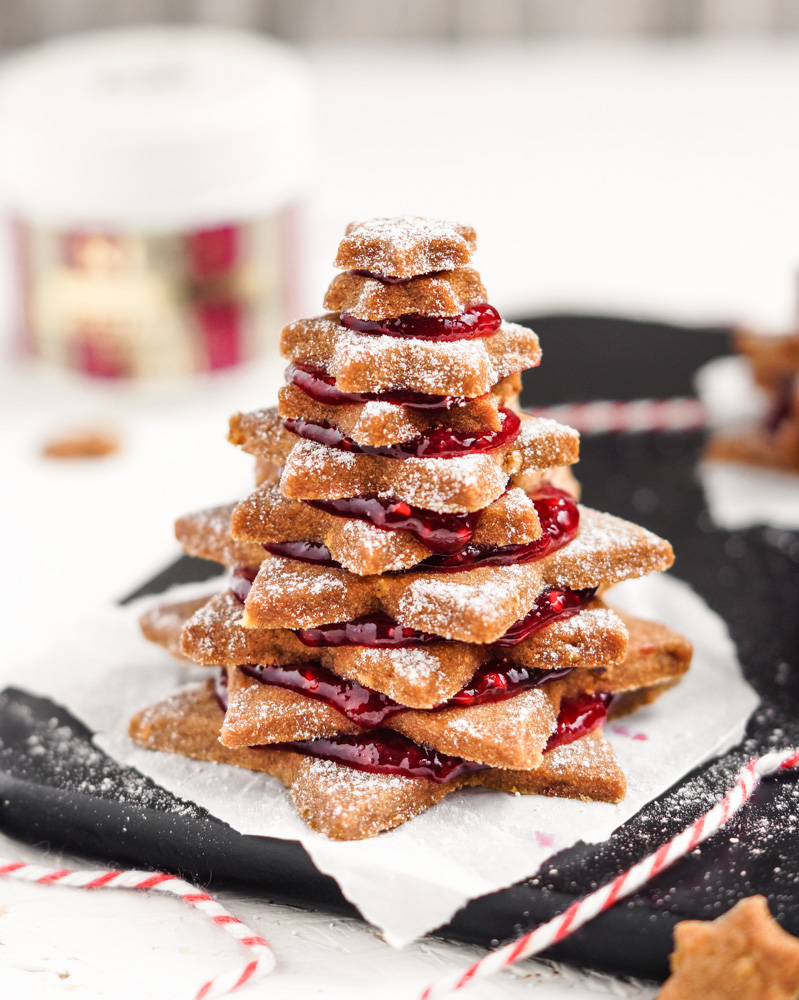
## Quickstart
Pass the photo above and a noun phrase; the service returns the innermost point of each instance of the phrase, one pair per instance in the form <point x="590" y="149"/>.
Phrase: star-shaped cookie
<point x="405" y="246"/>
<point x="744" y="955"/>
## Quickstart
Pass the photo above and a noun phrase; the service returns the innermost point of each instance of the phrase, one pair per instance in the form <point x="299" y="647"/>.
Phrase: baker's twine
<point x="583" y="910"/>
<point x="609" y="416"/>
<point x="262" y="962"/>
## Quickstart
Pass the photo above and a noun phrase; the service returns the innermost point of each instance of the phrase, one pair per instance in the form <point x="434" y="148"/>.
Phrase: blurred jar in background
<point x="153" y="181"/>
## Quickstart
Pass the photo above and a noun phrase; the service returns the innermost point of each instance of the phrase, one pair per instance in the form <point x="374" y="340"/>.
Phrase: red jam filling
<point x="552" y="605"/>
<point x="498" y="681"/>
<point x="316" y="383"/>
<point x="308" y="552"/>
<point x="447" y="535"/>
<point x="444" y="533"/>
<point x="241" y="581"/>
<point x="386" y="752"/>
<point x="379" y="631"/>
<point x="476" y="321"/>
<point x="578" y="717"/>
<point x="495" y="681"/>
<point x="439" y="442"/>
<point x="559" y="516"/>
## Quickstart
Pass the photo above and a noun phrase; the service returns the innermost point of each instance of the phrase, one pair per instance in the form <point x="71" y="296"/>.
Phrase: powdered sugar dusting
<point x="423" y="364"/>
<point x="298" y="578"/>
<point x="338" y="781"/>
<point x="468" y="482"/>
<point x="365" y="363"/>
<point x="260" y="713"/>
<point x="584" y="756"/>
<point x="417" y="665"/>
<point x="516" y="714"/>
<point x="494" y="598"/>
<point x="405" y="245"/>
<point x="369" y="542"/>
<point x="606" y="550"/>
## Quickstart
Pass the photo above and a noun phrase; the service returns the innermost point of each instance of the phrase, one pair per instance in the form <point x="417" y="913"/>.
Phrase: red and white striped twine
<point x="585" y="909"/>
<point x="607" y="416"/>
<point x="262" y="963"/>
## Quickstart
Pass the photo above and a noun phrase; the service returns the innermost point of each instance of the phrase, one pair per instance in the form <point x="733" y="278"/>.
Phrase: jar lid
<point x="156" y="128"/>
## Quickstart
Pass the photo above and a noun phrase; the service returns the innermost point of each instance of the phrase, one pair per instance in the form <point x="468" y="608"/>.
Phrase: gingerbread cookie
<point x="447" y="294"/>
<point x="744" y="954"/>
<point x="404" y="246"/>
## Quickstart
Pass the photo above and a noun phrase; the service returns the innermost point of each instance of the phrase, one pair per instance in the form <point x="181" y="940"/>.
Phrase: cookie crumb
<point x="82" y="444"/>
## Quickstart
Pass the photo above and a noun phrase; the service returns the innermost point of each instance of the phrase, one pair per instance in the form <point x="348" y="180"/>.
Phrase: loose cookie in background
<point x="744" y="955"/>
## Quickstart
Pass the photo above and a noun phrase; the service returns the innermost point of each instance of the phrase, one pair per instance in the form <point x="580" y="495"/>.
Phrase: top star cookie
<point x="405" y="246"/>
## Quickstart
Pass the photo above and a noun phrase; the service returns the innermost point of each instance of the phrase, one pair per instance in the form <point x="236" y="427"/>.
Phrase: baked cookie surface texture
<point x="414" y="603"/>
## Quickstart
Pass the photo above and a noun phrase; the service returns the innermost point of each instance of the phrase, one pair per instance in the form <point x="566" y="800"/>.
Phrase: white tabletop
<point x="632" y="180"/>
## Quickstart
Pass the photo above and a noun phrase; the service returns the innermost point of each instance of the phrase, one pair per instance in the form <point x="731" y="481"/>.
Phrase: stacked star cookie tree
<point x="413" y="602"/>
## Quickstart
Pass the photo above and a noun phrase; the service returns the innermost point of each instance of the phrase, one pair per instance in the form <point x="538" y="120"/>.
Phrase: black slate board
<point x="73" y="798"/>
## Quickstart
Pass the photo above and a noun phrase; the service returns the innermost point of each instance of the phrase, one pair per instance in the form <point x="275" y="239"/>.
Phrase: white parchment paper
<point x="411" y="880"/>
<point x="742" y="496"/>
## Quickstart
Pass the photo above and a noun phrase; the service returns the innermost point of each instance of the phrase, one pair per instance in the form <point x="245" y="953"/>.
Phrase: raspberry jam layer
<point x="241" y="581"/>
<point x="444" y="533"/>
<point x="498" y="681"/>
<point x="559" y="516"/>
<point x="316" y="383"/>
<point x="439" y="442"/>
<point x="379" y="631"/>
<point x="493" y="682"/>
<point x="309" y="552"/>
<point x="386" y="752"/>
<point x="447" y="535"/>
<point x="578" y="717"/>
<point x="477" y="321"/>
<point x="359" y="704"/>
<point x="552" y="605"/>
